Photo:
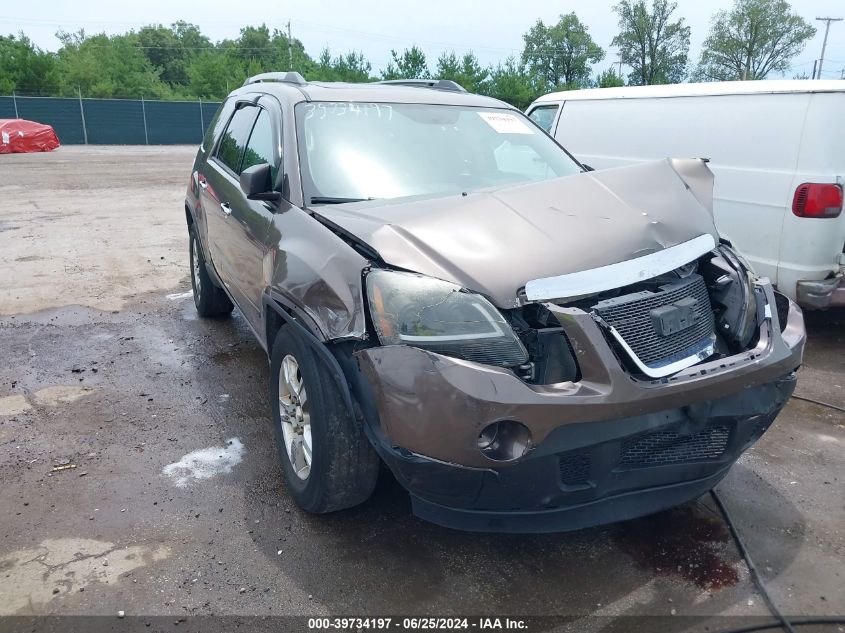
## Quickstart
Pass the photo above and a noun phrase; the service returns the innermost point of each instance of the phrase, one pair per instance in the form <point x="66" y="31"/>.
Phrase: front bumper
<point x="426" y="411"/>
<point x="820" y="295"/>
<point x="594" y="473"/>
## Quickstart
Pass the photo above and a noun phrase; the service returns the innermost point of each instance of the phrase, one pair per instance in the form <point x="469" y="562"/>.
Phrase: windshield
<point x="359" y="151"/>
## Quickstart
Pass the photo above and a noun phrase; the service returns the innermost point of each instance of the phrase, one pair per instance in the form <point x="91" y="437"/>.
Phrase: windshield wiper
<point x="330" y="200"/>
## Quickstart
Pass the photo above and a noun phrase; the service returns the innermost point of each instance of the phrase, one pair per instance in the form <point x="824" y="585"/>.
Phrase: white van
<point x="777" y="149"/>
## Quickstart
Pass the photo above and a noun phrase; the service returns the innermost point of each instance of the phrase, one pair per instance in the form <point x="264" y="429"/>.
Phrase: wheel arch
<point x="277" y="313"/>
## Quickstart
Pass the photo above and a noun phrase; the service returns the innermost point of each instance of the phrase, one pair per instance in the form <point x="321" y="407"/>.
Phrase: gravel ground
<point x="171" y="500"/>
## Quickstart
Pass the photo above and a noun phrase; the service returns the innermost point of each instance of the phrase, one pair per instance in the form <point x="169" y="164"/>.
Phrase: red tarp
<point x="20" y="135"/>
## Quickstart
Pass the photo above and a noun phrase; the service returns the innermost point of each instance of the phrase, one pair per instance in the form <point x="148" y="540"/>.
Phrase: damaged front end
<point x="596" y="395"/>
<point x="559" y="414"/>
<point x="704" y="309"/>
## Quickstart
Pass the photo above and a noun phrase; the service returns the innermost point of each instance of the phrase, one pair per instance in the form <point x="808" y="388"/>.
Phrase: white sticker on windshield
<point x="505" y="123"/>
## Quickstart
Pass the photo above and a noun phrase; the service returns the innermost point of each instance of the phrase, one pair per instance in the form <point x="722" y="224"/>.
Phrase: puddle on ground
<point x="33" y="577"/>
<point x="205" y="463"/>
<point x="14" y="405"/>
<point x="686" y="541"/>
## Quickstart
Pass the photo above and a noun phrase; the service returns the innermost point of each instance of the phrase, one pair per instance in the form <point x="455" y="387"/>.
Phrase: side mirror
<point x="257" y="184"/>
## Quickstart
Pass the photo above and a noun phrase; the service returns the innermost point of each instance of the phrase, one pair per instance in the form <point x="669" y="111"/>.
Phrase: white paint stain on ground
<point x="205" y="463"/>
<point x="180" y="295"/>
<point x="32" y="576"/>
<point x="14" y="405"/>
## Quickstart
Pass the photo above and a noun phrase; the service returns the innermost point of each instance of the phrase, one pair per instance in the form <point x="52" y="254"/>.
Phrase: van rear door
<point x="811" y="248"/>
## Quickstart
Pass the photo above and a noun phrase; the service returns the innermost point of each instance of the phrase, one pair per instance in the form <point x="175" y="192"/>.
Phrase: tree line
<point x="752" y="40"/>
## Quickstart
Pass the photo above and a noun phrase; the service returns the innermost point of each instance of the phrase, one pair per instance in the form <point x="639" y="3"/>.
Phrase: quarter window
<point x="234" y="138"/>
<point x="218" y="122"/>
<point x="544" y="116"/>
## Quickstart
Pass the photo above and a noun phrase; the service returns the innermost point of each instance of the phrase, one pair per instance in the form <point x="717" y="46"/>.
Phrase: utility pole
<point x="824" y="43"/>
<point x="618" y="64"/>
<point x="290" y="49"/>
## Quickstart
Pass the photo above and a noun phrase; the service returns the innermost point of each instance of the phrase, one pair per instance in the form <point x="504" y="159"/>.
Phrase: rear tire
<point x="326" y="458"/>
<point x="209" y="299"/>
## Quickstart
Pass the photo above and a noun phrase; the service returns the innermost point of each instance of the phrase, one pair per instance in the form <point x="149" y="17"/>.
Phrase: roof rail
<point x="290" y="77"/>
<point x="437" y="84"/>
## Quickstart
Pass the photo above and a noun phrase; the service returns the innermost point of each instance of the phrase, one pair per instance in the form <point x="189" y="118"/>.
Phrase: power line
<point x="618" y="64"/>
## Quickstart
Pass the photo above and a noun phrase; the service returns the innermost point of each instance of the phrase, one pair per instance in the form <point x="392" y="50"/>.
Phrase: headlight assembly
<point x="740" y="317"/>
<point x="412" y="309"/>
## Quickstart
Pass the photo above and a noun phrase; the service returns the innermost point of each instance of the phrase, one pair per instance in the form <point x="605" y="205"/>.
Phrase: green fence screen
<point x="115" y="121"/>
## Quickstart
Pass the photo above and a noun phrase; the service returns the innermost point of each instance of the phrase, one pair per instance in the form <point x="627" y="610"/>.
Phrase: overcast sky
<point x="491" y="28"/>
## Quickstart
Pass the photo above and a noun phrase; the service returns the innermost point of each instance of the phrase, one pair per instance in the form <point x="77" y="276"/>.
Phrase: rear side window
<point x="234" y="139"/>
<point x="544" y="116"/>
<point x="260" y="147"/>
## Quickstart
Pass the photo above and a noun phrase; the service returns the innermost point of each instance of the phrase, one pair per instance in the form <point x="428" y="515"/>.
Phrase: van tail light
<point x="817" y="200"/>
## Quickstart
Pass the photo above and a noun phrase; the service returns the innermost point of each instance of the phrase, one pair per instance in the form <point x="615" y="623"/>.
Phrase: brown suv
<point x="528" y="345"/>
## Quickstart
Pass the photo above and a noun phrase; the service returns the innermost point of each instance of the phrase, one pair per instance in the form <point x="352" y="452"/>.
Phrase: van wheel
<point x="209" y="299"/>
<point x="326" y="458"/>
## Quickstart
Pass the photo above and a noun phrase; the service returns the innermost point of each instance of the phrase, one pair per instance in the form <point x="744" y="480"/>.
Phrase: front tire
<point x="327" y="460"/>
<point x="209" y="299"/>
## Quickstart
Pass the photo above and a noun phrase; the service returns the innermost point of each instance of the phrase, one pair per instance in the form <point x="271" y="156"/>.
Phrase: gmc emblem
<point x="677" y="317"/>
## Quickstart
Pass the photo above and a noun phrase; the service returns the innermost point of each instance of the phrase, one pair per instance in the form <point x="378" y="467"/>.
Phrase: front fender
<point x="316" y="273"/>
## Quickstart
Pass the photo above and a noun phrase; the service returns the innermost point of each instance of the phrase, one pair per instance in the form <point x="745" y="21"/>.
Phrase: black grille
<point x="631" y="316"/>
<point x="574" y="469"/>
<point x="663" y="448"/>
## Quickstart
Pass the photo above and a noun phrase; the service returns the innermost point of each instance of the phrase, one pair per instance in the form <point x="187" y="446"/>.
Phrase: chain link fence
<point x="115" y="121"/>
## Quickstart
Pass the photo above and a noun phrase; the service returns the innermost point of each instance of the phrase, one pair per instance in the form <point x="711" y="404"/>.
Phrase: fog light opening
<point x="505" y="440"/>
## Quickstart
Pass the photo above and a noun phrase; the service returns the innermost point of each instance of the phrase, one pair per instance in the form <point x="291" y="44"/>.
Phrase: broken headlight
<point x="412" y="309"/>
<point x="732" y="291"/>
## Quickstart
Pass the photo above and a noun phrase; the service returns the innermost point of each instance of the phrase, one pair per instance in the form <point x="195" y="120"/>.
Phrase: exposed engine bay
<point x="704" y="310"/>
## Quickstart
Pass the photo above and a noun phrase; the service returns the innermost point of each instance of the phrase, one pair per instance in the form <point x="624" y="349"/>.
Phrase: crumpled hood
<point x="495" y="241"/>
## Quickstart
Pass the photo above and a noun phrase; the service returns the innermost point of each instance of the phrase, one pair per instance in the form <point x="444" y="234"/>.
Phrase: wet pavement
<point x="140" y="472"/>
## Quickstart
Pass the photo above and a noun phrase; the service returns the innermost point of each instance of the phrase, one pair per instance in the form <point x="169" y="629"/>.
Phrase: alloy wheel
<point x="195" y="268"/>
<point x="294" y="413"/>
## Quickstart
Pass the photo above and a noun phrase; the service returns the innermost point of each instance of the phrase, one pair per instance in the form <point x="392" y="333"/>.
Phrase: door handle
<point x="227" y="209"/>
<point x="203" y="183"/>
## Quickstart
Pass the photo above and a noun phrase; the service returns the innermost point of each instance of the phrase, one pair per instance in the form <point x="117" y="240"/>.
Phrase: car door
<point x="220" y="188"/>
<point x="250" y="220"/>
